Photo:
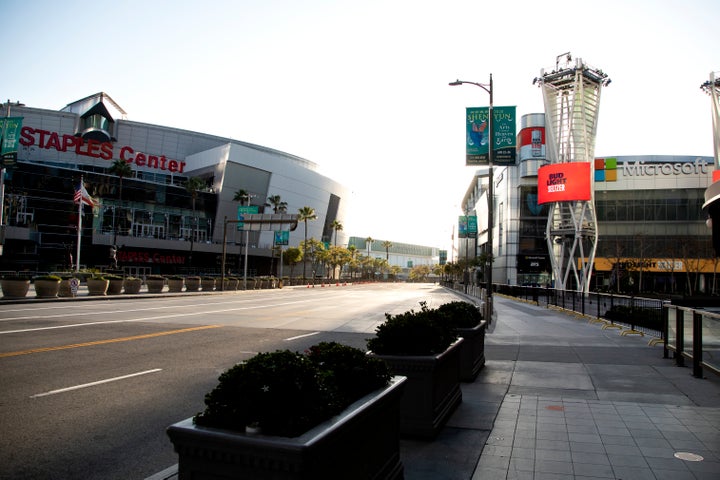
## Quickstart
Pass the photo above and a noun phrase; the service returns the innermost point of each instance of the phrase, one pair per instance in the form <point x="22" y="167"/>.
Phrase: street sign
<point x="245" y="210"/>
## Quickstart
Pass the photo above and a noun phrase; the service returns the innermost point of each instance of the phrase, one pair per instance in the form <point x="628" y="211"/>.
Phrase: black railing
<point x="693" y="334"/>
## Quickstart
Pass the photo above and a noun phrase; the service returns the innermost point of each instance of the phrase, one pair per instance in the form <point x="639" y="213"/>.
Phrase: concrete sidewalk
<point x="560" y="398"/>
<point x="588" y="403"/>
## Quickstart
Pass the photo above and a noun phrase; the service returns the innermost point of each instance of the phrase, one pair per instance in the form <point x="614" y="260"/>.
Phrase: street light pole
<point x="491" y="193"/>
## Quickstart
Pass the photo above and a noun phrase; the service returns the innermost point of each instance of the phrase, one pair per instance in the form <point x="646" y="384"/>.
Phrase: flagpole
<point x="79" y="228"/>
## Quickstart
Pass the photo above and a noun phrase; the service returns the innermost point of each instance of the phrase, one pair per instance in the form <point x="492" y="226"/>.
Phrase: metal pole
<point x="224" y="251"/>
<point x="491" y="207"/>
<point x="247" y="240"/>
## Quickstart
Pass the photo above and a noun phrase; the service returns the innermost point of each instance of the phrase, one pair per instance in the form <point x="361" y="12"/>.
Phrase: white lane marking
<point x="124" y="310"/>
<point x="92" y="384"/>
<point x="144" y="319"/>
<point x="301" y="336"/>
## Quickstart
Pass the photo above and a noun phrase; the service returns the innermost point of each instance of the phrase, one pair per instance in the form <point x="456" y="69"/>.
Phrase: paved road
<point x="88" y="387"/>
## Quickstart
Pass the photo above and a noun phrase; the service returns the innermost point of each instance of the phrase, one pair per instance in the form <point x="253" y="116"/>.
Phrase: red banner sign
<point x="564" y="182"/>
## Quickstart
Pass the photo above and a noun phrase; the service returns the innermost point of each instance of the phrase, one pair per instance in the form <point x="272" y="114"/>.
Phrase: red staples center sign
<point x="564" y="182"/>
<point x="95" y="149"/>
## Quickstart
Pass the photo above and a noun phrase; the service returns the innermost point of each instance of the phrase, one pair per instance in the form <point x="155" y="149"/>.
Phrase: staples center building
<point x="154" y="220"/>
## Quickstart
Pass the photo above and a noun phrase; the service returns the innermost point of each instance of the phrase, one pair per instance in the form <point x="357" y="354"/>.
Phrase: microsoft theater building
<point x="157" y="224"/>
<point x="652" y="234"/>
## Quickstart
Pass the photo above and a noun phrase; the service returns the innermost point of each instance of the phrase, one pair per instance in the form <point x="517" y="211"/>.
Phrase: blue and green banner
<point x="467" y="226"/>
<point x="9" y="139"/>
<point x="282" y="237"/>
<point x="243" y="210"/>
<point x="477" y="135"/>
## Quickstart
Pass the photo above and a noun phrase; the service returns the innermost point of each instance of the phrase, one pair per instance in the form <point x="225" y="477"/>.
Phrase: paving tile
<point x="552" y="466"/>
<point x="652" y="442"/>
<point x="592" y="470"/>
<point x="585" y="438"/>
<point x="634" y="473"/>
<point x="591" y="458"/>
<point x="524" y="442"/>
<point x="555" y="455"/>
<point x="622" y="450"/>
<point x="619" y="460"/>
<point x="617" y="440"/>
<point x="673" y="475"/>
<point x="587" y="447"/>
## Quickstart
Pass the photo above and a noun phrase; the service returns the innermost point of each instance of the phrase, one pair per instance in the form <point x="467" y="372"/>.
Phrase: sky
<point x="360" y="88"/>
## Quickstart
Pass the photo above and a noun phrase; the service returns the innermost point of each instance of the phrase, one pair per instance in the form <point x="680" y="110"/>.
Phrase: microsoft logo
<point x="606" y="169"/>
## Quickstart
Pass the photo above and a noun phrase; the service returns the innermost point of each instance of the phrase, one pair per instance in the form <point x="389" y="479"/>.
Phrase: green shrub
<point x="412" y="333"/>
<point x="50" y="278"/>
<point x="461" y="314"/>
<point x="286" y="393"/>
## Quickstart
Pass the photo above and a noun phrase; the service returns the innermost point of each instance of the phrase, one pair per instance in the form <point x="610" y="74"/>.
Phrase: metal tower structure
<point x="571" y="94"/>
<point x="712" y="88"/>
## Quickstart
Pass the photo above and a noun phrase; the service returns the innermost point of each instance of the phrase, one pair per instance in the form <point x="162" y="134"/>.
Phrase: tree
<point x="121" y="169"/>
<point x="242" y="196"/>
<point x="277" y="204"/>
<point x="292" y="257"/>
<point x="304" y="214"/>
<point x="193" y="186"/>
<point x="387" y="244"/>
<point x="336" y="226"/>
<point x="368" y="244"/>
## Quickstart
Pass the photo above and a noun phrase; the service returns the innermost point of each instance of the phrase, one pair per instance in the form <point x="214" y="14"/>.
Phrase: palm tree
<point x="305" y="214"/>
<point x="278" y="205"/>
<point x="387" y="244"/>
<point x="336" y="226"/>
<point x="193" y="187"/>
<point x="368" y="244"/>
<point x="242" y="196"/>
<point x="121" y="169"/>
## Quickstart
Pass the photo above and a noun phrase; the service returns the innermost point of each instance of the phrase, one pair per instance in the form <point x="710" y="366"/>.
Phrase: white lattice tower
<point x="712" y="88"/>
<point x="571" y="94"/>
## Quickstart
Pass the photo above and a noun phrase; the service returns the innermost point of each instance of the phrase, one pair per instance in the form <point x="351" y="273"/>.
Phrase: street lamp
<point x="491" y="192"/>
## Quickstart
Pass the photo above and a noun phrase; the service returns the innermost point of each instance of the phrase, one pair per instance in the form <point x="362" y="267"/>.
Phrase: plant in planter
<point x="175" y="283"/>
<point x="47" y="286"/>
<point x="467" y="321"/>
<point x="133" y="285"/>
<point x="15" y="286"/>
<point x="115" y="285"/>
<point x="97" y="285"/>
<point x="192" y="284"/>
<point x="155" y="283"/>
<point x="330" y="413"/>
<point x="425" y="349"/>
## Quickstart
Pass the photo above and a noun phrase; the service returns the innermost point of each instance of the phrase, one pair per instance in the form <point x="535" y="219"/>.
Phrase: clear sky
<point x="361" y="87"/>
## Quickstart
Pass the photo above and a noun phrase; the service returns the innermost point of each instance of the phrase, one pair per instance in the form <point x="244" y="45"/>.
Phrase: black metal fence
<point x="691" y="334"/>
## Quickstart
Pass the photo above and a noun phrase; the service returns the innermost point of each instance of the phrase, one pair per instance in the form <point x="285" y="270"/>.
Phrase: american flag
<point x="82" y="195"/>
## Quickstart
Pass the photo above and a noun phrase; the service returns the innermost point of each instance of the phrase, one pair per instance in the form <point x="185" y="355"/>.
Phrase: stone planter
<point x="64" y="289"/>
<point x="472" y="351"/>
<point x="97" y="286"/>
<point x="192" y="284"/>
<point x="175" y="284"/>
<point x="362" y="442"/>
<point x="14" y="288"/>
<point x="230" y="284"/>
<point x="47" y="288"/>
<point x="115" y="287"/>
<point x="133" y="285"/>
<point x="207" y="284"/>
<point x="432" y="392"/>
<point x="155" y="285"/>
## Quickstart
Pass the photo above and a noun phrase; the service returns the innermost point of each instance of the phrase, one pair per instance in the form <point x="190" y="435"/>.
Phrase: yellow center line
<point x="103" y="342"/>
